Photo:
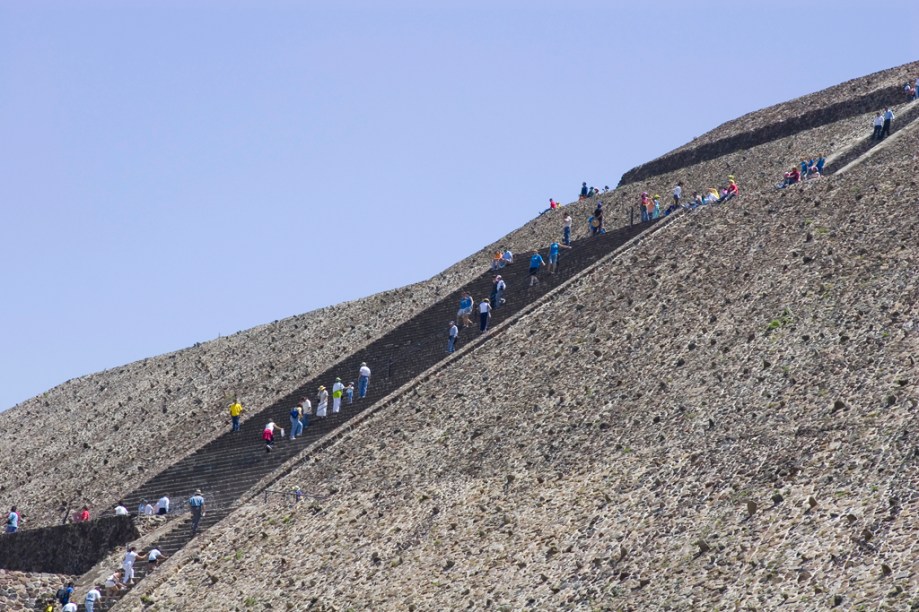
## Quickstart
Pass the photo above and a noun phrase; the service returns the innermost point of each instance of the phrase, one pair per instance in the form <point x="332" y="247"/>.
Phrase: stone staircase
<point x="226" y="468"/>
<point x="851" y="155"/>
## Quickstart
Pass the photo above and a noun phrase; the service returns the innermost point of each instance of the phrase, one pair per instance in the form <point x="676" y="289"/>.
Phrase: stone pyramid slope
<point x="724" y="417"/>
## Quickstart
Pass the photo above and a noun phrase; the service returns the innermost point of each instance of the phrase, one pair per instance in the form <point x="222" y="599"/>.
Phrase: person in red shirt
<point x="82" y="516"/>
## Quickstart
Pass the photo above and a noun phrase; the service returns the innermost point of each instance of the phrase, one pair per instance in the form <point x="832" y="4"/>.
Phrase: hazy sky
<point x="171" y="171"/>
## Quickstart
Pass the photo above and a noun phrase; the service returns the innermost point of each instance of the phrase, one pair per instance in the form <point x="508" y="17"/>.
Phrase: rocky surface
<point x="853" y="88"/>
<point x="20" y="592"/>
<point x="722" y="418"/>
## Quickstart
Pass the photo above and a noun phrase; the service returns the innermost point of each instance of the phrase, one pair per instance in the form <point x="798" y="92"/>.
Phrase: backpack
<point x="61" y="594"/>
<point x="295" y="414"/>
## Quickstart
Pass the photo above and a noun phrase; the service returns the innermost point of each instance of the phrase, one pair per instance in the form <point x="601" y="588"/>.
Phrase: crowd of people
<point x="807" y="169"/>
<point x="911" y="90"/>
<point x="300" y="413"/>
<point x="882" y="123"/>
<point x="119" y="580"/>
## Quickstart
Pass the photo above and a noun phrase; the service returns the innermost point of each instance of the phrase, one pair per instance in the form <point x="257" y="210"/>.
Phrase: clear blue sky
<point x="171" y="171"/>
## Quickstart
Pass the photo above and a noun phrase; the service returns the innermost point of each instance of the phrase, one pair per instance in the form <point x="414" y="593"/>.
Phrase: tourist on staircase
<point x="70" y="606"/>
<point x="888" y="117"/>
<point x="162" y="506"/>
<point x="64" y="594"/>
<point x="584" y="191"/>
<point x="566" y="230"/>
<point x="120" y="510"/>
<point x="484" y="315"/>
<point x="322" y="405"/>
<point x="462" y="315"/>
<point x="878" y="126"/>
<point x="268" y="435"/>
<point x="677" y="193"/>
<point x="236" y="409"/>
<point x="536" y="262"/>
<point x="338" y="389"/>
<point x="144" y="508"/>
<point x="93" y="596"/>
<point x="497" y="292"/>
<point x="128" y="565"/>
<point x="153" y="559"/>
<point x="553" y="256"/>
<point x="349" y="393"/>
<point x="196" y="505"/>
<point x="451" y="338"/>
<point x="296" y="424"/>
<point x="113" y="583"/>
<point x="363" y="380"/>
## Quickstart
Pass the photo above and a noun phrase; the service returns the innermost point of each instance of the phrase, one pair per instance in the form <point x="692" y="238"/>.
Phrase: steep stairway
<point x="229" y="466"/>
<point x="849" y="156"/>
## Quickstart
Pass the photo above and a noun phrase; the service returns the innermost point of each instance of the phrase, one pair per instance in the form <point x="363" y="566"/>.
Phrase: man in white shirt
<point x="70" y="607"/>
<point x="92" y="597"/>
<point x="888" y="117"/>
<point x="508" y="257"/>
<point x="363" y="381"/>
<point x="162" y="506"/>
<point x="451" y="339"/>
<point x="677" y="193"/>
<point x="120" y="510"/>
<point x="153" y="558"/>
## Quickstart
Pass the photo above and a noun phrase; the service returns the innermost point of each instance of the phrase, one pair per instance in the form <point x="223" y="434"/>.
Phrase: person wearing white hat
<point x="323" y="405"/>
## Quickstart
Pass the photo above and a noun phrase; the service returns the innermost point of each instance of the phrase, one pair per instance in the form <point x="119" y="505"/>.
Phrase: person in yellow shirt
<point x="236" y="409"/>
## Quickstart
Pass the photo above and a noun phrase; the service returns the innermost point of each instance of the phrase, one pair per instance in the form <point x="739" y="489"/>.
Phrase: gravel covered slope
<point x="724" y="418"/>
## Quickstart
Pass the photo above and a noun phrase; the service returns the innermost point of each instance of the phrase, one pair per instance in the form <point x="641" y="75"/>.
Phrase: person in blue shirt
<point x="553" y="256"/>
<point x="536" y="262"/>
<point x="12" y="521"/>
<point x="820" y="162"/>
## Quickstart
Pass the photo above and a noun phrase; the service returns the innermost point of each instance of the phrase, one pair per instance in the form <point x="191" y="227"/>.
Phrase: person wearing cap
<point x="338" y="389"/>
<point x="497" y="292"/>
<point x="451" y="337"/>
<point x="363" y="379"/>
<point x="731" y="191"/>
<point x="484" y="315"/>
<point x="196" y="505"/>
<point x="323" y="403"/>
<point x="678" y="193"/>
<point x="656" y="213"/>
